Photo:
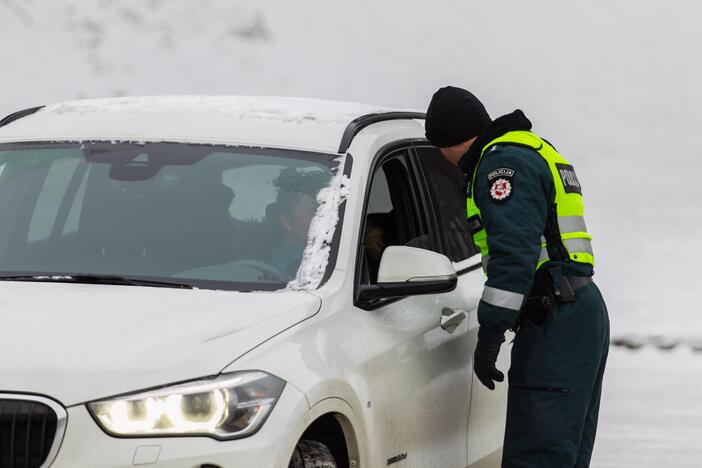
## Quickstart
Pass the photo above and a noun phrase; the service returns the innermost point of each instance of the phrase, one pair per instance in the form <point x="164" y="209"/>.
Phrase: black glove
<point x="484" y="361"/>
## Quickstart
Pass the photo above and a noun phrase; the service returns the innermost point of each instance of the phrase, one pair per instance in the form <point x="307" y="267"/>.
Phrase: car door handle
<point x="452" y="318"/>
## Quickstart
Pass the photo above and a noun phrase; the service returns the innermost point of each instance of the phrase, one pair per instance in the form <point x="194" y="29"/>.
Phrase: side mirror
<point x="408" y="271"/>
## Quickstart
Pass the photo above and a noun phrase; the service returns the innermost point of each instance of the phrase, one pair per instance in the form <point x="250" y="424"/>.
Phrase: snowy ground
<point x="650" y="414"/>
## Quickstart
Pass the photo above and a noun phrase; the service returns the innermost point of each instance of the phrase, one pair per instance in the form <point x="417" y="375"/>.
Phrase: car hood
<point x="77" y="343"/>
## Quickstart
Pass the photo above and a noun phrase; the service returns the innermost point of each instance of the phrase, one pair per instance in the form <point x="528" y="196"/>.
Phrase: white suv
<point x="211" y="282"/>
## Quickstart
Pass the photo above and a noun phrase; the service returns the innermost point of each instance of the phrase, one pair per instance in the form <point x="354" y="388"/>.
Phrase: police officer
<point x="525" y="211"/>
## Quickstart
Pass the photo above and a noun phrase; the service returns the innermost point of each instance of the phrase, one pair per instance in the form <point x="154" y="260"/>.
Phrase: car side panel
<point x="419" y="382"/>
<point x="488" y="411"/>
<point x="324" y="356"/>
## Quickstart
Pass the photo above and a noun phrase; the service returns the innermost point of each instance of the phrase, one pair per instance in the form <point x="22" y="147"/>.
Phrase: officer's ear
<point x="453" y="154"/>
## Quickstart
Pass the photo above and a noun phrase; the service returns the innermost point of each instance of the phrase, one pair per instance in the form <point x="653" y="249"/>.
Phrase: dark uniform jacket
<point x="515" y="225"/>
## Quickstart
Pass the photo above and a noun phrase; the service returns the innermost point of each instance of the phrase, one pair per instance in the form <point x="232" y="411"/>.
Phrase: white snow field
<point x="614" y="84"/>
<point x="650" y="415"/>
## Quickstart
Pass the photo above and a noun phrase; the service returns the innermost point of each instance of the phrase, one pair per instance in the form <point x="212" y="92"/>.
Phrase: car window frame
<point x="422" y="205"/>
<point x="465" y="265"/>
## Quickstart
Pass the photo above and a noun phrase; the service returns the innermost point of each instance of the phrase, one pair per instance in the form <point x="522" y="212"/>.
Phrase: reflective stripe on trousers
<point x="502" y="298"/>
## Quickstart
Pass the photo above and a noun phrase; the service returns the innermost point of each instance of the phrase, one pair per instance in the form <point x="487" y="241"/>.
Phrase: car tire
<point x="312" y="454"/>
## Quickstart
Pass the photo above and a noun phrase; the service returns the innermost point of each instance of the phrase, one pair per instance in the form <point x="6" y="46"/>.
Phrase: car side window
<point x="448" y="198"/>
<point x="392" y="216"/>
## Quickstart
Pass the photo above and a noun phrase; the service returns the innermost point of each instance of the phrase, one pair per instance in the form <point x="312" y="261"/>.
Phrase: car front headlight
<point x="226" y="407"/>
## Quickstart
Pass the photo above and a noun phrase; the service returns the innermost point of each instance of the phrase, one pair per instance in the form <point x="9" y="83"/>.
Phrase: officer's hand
<point x="484" y="361"/>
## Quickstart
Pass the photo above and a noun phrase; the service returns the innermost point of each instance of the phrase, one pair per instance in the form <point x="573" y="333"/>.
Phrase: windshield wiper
<point x="85" y="278"/>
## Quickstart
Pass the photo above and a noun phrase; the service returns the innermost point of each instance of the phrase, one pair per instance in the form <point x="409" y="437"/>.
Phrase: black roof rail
<point x="363" y="121"/>
<point x="18" y="115"/>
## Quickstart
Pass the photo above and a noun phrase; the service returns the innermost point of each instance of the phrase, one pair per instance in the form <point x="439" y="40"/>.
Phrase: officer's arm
<point x="513" y="189"/>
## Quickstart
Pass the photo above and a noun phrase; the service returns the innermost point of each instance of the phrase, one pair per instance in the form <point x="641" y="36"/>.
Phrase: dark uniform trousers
<point x="555" y="384"/>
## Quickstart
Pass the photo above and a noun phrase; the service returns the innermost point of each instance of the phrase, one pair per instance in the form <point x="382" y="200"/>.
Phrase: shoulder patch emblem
<point x="501" y="172"/>
<point x="502" y="185"/>
<point x="501" y="189"/>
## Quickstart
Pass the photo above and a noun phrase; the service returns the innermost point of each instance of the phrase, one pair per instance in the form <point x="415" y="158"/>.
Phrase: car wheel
<point x="312" y="454"/>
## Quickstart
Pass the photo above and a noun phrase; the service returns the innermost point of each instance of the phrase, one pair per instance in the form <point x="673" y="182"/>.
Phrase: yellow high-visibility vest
<point x="569" y="202"/>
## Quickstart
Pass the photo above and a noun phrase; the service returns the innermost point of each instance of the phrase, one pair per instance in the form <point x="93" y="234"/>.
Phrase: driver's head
<point x="296" y="212"/>
<point x="297" y="200"/>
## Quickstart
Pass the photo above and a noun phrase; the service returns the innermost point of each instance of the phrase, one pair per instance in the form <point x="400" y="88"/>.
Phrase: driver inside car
<point x="296" y="204"/>
<point x="296" y="213"/>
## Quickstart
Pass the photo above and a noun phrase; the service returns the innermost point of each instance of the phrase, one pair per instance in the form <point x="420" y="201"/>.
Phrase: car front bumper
<point x="85" y="445"/>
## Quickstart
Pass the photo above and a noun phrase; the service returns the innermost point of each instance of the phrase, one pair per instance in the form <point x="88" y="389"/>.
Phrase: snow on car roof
<point x="301" y="123"/>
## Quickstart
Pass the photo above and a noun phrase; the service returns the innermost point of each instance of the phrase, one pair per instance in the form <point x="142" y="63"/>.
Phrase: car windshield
<point x="200" y="215"/>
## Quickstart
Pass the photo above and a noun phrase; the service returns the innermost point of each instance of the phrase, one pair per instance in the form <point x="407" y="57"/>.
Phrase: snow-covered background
<point x="614" y="84"/>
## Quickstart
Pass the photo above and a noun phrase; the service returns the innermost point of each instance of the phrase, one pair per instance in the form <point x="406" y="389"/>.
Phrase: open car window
<point x="394" y="215"/>
<point x="445" y="183"/>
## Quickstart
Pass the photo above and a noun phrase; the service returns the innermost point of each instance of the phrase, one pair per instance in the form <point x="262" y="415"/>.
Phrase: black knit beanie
<point x="454" y="116"/>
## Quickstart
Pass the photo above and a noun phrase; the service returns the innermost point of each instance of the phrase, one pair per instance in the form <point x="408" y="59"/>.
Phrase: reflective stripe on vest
<point x="569" y="203"/>
<point x="502" y="298"/>
<point x="579" y="246"/>
<point x="571" y="224"/>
